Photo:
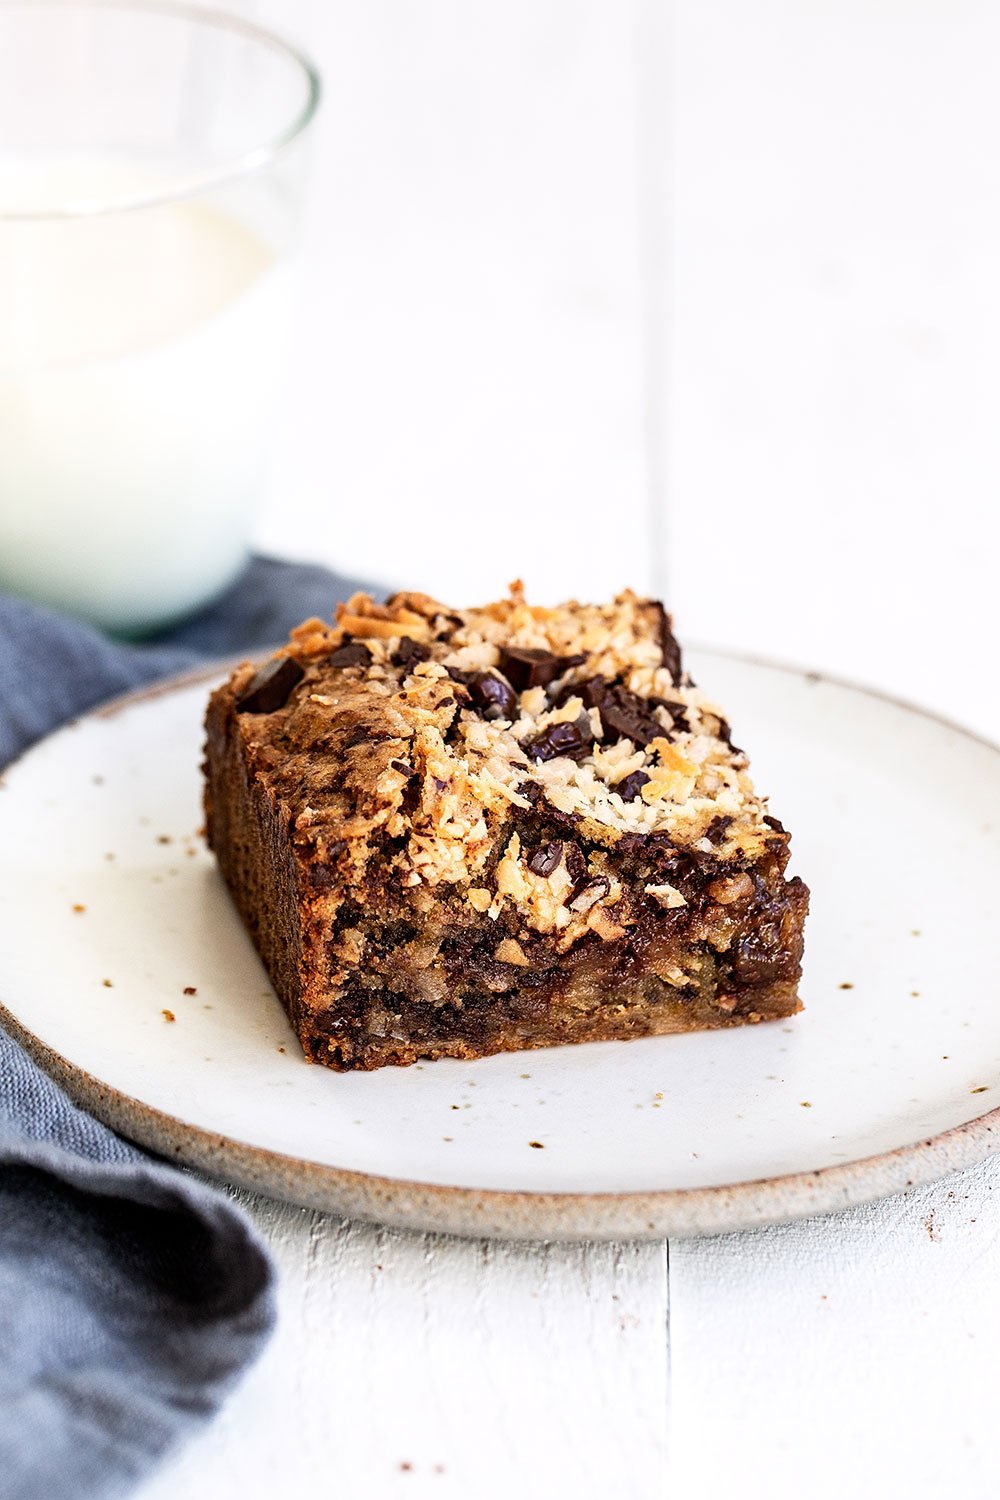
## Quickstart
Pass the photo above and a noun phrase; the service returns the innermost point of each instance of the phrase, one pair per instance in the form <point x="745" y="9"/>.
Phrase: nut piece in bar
<point x="458" y="832"/>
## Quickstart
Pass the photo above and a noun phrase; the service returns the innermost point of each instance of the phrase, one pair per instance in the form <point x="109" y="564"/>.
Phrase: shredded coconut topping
<point x="443" y="726"/>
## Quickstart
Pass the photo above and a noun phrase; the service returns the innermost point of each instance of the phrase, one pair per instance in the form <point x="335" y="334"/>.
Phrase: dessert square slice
<point x="458" y="832"/>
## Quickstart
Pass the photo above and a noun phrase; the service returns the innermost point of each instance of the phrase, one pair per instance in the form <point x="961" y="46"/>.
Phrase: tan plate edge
<point x="517" y="1215"/>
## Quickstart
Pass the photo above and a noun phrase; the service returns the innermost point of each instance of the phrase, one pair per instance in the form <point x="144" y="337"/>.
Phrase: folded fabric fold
<point x="131" y="1296"/>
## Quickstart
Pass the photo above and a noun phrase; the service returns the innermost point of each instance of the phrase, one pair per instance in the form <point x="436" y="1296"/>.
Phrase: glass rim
<point x="192" y="184"/>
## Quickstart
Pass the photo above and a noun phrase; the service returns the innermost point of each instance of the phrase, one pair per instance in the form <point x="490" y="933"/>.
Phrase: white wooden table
<point x="788" y="1360"/>
<point x="501" y="311"/>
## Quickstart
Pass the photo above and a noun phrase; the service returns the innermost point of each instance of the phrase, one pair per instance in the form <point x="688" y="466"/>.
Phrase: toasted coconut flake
<point x="366" y="627"/>
<point x="469" y="775"/>
<point x="666" y="896"/>
<point x="604" y="924"/>
<point x="511" y="952"/>
<point x="730" y="889"/>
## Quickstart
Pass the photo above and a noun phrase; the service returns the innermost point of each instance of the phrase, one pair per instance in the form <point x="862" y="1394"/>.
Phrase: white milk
<point x="138" y="355"/>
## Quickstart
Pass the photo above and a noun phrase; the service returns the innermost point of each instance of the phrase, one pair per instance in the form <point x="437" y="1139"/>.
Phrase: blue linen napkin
<point x="131" y="1297"/>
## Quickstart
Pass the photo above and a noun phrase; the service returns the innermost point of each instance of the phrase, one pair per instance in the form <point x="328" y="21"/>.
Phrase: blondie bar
<point x="459" y="832"/>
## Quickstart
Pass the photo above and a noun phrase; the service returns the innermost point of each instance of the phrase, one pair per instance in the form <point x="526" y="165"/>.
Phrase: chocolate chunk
<point x="270" y="688"/>
<point x="488" y="694"/>
<point x="525" y="668"/>
<point x="632" y="785"/>
<point x="717" y="828"/>
<point x="593" y="691"/>
<point x="494" y="698"/>
<point x="351" y="654"/>
<point x="545" y="858"/>
<point x="669" y="649"/>
<point x="625" y="726"/>
<point x="572" y="740"/>
<point x="677" y="712"/>
<point x="588" y="894"/>
<point x="576" y="865"/>
<point x="409" y="653"/>
<point x="624" y="715"/>
<point x="725" y="734"/>
<point x="629" y="717"/>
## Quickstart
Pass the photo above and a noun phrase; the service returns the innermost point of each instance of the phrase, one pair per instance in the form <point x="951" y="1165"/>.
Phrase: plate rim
<point x="506" y="1213"/>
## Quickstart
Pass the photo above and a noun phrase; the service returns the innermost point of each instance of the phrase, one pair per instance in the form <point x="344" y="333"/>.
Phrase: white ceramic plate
<point x="113" y="920"/>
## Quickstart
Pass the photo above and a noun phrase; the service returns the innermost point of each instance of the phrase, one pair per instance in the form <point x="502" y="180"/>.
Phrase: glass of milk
<point x="151" y="173"/>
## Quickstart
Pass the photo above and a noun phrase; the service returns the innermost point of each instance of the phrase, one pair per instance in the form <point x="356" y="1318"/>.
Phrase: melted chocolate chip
<point x="588" y="894"/>
<point x="632" y="843"/>
<point x="409" y="653"/>
<point x="545" y="858"/>
<point x="525" y="668"/>
<point x="760" y="957"/>
<point x="632" y="785"/>
<point x="725" y="734"/>
<point x="323" y="873"/>
<point x="669" y="649"/>
<point x="717" y="828"/>
<point x="562" y="820"/>
<point x="572" y="740"/>
<point x="351" y="654"/>
<point x="270" y="688"/>
<point x="367" y="734"/>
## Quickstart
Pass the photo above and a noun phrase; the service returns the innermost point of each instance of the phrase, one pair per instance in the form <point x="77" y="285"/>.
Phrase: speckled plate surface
<point x="127" y="973"/>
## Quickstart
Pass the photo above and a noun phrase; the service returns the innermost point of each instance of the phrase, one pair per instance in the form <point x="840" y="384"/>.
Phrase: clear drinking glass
<point x="151" y="170"/>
